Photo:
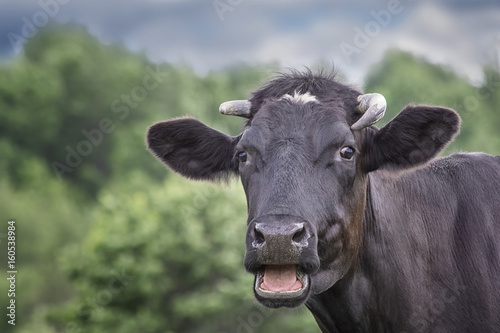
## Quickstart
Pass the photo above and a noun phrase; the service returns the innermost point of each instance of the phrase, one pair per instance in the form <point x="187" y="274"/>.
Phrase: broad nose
<point x="288" y="234"/>
<point x="279" y="243"/>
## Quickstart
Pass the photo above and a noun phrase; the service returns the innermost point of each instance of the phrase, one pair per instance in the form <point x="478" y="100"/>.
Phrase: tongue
<point x="281" y="278"/>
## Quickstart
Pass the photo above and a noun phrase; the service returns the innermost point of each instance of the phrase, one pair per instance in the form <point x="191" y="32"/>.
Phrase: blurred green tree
<point x="167" y="258"/>
<point x="48" y="217"/>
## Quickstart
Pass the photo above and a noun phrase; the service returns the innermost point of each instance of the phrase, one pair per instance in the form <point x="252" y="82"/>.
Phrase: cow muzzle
<point x="281" y="252"/>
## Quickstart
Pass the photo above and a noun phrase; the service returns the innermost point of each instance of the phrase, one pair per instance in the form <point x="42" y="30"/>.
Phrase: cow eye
<point x="347" y="153"/>
<point x="242" y="156"/>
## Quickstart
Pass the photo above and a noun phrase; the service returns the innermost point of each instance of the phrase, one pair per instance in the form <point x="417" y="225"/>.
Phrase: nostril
<point x="299" y="235"/>
<point x="259" y="237"/>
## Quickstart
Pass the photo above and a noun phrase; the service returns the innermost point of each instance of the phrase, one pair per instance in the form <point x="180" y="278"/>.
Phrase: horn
<point x="373" y="108"/>
<point x="240" y="108"/>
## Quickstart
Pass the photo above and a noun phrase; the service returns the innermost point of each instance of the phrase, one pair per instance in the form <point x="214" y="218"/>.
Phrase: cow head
<point x="303" y="160"/>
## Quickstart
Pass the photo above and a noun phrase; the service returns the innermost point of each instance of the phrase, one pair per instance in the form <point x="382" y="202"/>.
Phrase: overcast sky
<point x="352" y="34"/>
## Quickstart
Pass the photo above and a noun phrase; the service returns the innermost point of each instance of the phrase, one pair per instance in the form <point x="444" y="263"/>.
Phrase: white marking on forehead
<point x="300" y="98"/>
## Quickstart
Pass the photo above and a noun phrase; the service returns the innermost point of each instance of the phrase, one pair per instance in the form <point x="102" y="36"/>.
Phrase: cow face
<point x="297" y="163"/>
<point x="303" y="161"/>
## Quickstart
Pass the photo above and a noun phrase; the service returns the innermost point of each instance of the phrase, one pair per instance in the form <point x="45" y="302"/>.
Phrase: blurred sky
<point x="212" y="34"/>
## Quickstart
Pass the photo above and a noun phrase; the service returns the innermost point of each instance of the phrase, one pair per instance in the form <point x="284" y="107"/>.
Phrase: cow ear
<point x="412" y="138"/>
<point x="193" y="149"/>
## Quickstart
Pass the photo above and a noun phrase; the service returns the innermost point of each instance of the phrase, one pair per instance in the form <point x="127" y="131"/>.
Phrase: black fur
<point x="416" y="135"/>
<point x="404" y="243"/>
<point x="323" y="85"/>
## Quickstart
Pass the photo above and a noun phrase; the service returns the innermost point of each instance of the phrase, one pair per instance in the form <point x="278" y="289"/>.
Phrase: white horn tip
<point x="373" y="108"/>
<point x="235" y="108"/>
<point x="374" y="99"/>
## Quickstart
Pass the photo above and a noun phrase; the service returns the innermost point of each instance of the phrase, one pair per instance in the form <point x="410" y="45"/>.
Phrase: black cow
<point x="361" y="225"/>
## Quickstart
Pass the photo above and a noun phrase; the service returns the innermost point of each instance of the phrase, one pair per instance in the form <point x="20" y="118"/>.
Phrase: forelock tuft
<point x="300" y="98"/>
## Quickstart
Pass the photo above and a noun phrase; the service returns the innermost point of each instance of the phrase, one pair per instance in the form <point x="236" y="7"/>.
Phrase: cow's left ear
<point x="193" y="149"/>
<point x="415" y="136"/>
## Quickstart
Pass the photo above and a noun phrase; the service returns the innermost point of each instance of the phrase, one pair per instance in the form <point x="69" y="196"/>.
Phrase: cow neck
<point x="352" y="304"/>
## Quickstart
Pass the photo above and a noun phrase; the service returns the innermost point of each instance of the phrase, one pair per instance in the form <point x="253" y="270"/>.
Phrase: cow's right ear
<point x="193" y="149"/>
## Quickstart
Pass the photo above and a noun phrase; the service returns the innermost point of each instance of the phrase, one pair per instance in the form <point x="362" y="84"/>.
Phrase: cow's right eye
<point x="242" y="156"/>
<point x="347" y="153"/>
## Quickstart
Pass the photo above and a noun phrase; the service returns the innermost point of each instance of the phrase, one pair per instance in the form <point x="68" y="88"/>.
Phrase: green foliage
<point x="48" y="217"/>
<point x="162" y="257"/>
<point x="67" y="83"/>
<point x="118" y="243"/>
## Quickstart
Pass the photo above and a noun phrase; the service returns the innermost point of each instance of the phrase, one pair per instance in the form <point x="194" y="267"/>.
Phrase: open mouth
<point x="281" y="282"/>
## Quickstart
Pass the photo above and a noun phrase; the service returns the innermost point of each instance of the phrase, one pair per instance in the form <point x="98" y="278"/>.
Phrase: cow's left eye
<point x="347" y="153"/>
<point x="242" y="156"/>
